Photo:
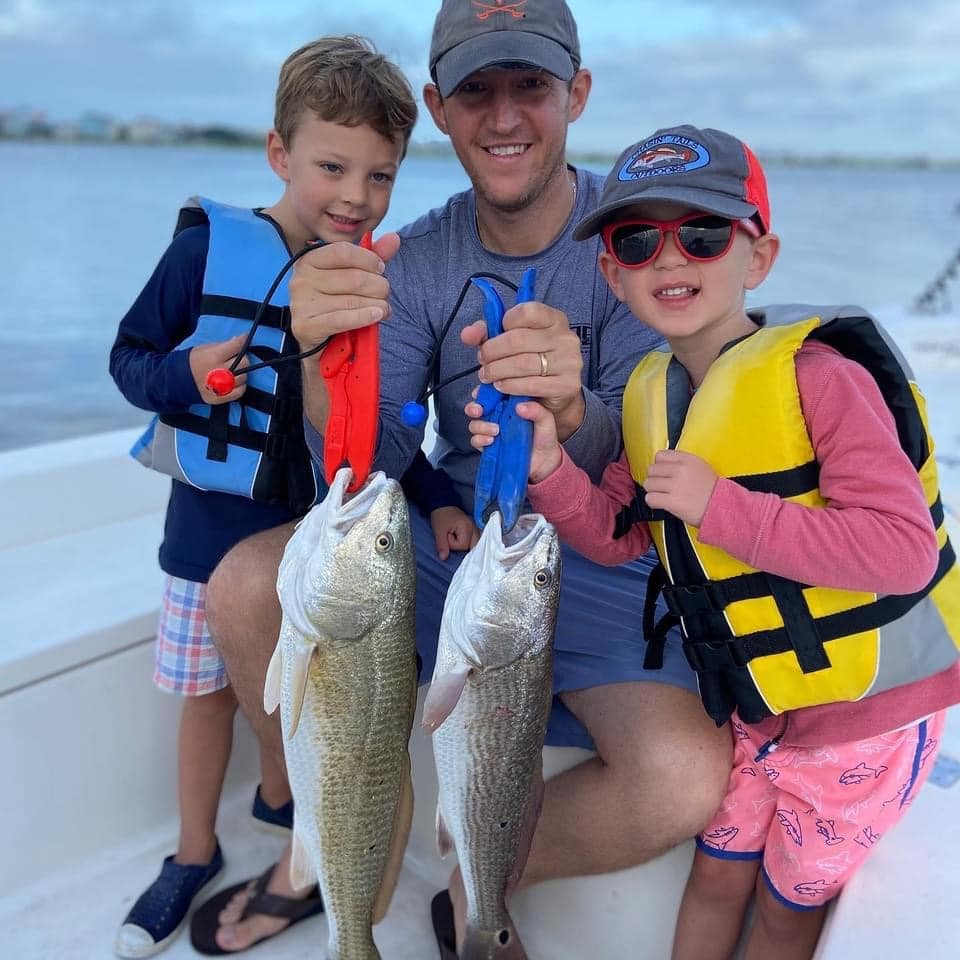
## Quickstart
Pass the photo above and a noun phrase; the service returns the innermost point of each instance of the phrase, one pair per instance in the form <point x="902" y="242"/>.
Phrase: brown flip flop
<point x="205" y="922"/>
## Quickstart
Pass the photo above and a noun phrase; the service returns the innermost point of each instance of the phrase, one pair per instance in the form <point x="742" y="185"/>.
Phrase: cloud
<point x="174" y="60"/>
<point x="857" y="78"/>
<point x="863" y="76"/>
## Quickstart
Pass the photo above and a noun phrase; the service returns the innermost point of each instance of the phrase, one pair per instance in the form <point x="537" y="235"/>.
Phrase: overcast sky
<point x="861" y="77"/>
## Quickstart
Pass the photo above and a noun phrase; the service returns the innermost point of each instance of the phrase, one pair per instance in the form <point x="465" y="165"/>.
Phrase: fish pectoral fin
<point x="444" y="840"/>
<point x="299" y="672"/>
<point x="271" y="688"/>
<point x="302" y="871"/>
<point x="398" y="846"/>
<point x="442" y="697"/>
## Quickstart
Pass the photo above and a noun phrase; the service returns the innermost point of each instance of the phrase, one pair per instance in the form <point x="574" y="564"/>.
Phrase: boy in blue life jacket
<point x="779" y="460"/>
<point x="239" y="462"/>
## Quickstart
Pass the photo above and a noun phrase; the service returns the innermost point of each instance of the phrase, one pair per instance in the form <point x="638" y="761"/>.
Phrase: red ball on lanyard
<point x="221" y="381"/>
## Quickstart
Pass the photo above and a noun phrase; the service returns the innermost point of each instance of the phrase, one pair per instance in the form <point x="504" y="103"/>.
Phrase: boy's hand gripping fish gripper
<point x="501" y="482"/>
<point x="350" y="366"/>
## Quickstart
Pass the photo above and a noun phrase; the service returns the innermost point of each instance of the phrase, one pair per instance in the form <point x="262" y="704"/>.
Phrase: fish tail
<point x="345" y="948"/>
<point x="493" y="945"/>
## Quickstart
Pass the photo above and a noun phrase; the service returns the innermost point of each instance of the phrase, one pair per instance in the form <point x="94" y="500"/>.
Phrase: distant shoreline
<point x="235" y="140"/>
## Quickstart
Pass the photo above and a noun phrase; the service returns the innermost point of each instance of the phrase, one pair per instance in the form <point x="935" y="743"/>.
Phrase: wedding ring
<point x="543" y="364"/>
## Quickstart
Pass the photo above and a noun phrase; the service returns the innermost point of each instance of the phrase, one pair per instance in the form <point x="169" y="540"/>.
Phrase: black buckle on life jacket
<point x="710" y="655"/>
<point x="690" y="599"/>
<point x="700" y="606"/>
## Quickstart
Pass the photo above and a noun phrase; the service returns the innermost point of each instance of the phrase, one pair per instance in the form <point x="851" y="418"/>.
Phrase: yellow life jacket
<point x="759" y="642"/>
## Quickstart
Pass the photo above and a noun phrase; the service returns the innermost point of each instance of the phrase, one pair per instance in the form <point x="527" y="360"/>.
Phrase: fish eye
<point x="541" y="578"/>
<point x="384" y="542"/>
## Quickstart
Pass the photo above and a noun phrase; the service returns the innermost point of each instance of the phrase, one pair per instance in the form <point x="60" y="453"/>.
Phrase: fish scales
<point x="489" y="760"/>
<point x="488" y="707"/>
<point x="354" y="756"/>
<point x="344" y="675"/>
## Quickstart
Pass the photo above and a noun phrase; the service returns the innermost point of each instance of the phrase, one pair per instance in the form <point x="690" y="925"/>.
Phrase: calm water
<point x="81" y="228"/>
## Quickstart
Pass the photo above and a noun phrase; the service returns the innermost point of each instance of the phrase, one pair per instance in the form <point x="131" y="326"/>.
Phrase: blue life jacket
<point x="253" y="447"/>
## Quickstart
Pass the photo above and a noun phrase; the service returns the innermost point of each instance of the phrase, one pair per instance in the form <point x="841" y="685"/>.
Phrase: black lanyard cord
<point x="433" y="372"/>
<point x="428" y="391"/>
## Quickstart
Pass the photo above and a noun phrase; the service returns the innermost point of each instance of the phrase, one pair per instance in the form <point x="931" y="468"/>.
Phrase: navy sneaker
<point x="160" y="911"/>
<point x="272" y="819"/>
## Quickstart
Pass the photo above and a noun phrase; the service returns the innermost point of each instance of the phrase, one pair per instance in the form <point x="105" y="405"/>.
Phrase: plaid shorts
<point x="186" y="661"/>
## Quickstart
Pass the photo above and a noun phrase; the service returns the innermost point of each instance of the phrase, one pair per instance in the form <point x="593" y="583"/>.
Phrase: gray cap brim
<point x="501" y="46"/>
<point x="722" y="206"/>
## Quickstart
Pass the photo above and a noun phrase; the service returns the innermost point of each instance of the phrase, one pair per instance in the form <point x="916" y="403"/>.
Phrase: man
<point x="504" y="90"/>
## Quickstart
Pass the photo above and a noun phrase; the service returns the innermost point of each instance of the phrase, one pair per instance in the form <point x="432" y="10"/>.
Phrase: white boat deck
<point x="76" y="916"/>
<point x="87" y="809"/>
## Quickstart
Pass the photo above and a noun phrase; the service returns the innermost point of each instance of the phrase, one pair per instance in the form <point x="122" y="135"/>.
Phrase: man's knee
<point x="241" y="592"/>
<point x="687" y="782"/>
<point x="667" y="758"/>
<point x="702" y="755"/>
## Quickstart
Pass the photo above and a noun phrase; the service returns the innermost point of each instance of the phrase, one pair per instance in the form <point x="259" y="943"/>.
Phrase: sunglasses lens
<point x="706" y="238"/>
<point x="634" y="244"/>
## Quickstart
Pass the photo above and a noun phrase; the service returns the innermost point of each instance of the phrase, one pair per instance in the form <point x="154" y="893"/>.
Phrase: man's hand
<point x="334" y="288"/>
<point x="209" y="356"/>
<point x="537" y="355"/>
<point x="337" y="287"/>
<point x="680" y="483"/>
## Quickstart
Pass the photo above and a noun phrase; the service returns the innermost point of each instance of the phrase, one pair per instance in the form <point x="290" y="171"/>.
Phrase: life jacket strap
<point x="238" y="308"/>
<point x="218" y="432"/>
<point x="655" y="631"/>
<point x="707" y="653"/>
<point x="636" y="511"/>
<point x="222" y="433"/>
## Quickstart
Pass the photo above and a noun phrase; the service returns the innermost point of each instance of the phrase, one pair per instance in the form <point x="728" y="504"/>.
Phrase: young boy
<point x="779" y="461"/>
<point x="344" y="115"/>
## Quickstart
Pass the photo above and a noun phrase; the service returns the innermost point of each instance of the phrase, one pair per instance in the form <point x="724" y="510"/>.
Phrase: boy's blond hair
<point x="344" y="80"/>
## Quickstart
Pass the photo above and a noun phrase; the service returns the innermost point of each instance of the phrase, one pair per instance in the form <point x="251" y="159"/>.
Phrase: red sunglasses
<point x="703" y="237"/>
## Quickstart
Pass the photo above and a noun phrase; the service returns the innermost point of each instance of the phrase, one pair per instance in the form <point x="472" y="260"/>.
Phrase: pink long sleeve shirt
<point x="875" y="535"/>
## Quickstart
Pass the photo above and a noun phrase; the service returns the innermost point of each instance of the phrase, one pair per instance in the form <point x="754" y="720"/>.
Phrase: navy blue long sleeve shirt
<point x="201" y="526"/>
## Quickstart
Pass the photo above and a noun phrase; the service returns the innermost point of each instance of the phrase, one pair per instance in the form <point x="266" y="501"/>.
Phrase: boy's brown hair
<point x="344" y="80"/>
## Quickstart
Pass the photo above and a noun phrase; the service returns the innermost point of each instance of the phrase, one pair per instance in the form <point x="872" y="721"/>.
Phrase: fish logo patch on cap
<point x="660" y="156"/>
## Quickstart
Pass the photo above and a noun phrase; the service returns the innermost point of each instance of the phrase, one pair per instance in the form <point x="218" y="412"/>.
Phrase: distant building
<point x="93" y="125"/>
<point x="148" y="130"/>
<point x="26" y="122"/>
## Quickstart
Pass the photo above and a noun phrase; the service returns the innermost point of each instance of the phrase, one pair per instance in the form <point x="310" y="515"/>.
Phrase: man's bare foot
<point x="235" y="934"/>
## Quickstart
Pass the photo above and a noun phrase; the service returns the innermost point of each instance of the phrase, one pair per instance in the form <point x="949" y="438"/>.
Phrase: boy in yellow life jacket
<point x="780" y="462"/>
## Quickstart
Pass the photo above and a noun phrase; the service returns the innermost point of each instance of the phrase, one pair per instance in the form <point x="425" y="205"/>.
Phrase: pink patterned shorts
<point x="186" y="660"/>
<point x="813" y="814"/>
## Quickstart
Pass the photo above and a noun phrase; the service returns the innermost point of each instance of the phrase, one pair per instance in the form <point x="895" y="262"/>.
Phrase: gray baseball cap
<point x="472" y="35"/>
<point x="705" y="169"/>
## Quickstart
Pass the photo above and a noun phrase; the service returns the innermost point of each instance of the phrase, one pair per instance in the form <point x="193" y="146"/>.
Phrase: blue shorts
<point x="599" y="628"/>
